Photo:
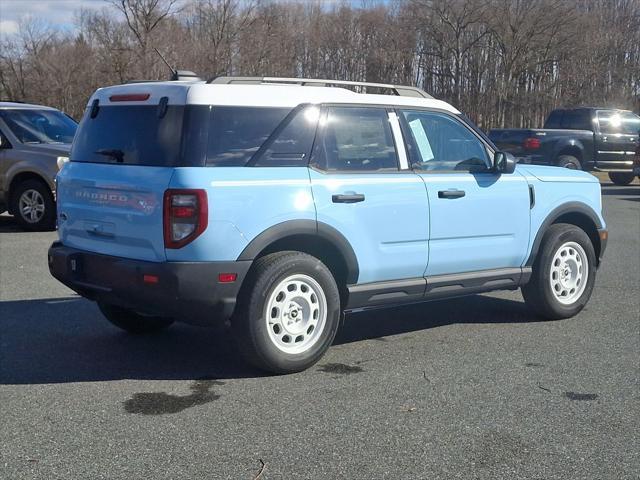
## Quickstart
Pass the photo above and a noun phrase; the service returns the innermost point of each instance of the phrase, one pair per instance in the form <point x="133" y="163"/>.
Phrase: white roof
<point x="18" y="105"/>
<point x="262" y="95"/>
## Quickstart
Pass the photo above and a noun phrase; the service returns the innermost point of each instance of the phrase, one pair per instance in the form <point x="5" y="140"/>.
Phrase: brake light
<point x="130" y="97"/>
<point x="185" y="216"/>
<point x="531" y="143"/>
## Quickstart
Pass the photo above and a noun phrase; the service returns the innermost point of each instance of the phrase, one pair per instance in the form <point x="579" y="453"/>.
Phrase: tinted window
<point x="554" y="119"/>
<point x="577" y="120"/>
<point x="236" y="133"/>
<point x="618" y="122"/>
<point x="357" y="139"/>
<point x="290" y="143"/>
<point x="441" y="142"/>
<point x="39" y="126"/>
<point x="132" y="135"/>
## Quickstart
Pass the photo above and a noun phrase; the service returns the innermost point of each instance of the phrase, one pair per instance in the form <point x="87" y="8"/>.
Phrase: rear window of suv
<point x="131" y="135"/>
<point x="196" y="135"/>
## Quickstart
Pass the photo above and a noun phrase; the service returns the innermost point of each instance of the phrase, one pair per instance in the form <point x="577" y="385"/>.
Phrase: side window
<point x="236" y="133"/>
<point x="356" y="139"/>
<point x="618" y="122"/>
<point x="4" y="142"/>
<point x="554" y="120"/>
<point x="289" y="145"/>
<point x="442" y="143"/>
<point x="577" y="120"/>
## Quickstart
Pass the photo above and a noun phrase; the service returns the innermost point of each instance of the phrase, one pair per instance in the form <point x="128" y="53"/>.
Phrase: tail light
<point x="185" y="216"/>
<point x="531" y="143"/>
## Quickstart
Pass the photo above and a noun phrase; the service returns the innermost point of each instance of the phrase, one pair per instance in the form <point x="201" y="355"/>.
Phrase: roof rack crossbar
<point x="400" y="90"/>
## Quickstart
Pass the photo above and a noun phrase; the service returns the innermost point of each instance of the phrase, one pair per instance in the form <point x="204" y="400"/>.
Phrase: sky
<point x="58" y="13"/>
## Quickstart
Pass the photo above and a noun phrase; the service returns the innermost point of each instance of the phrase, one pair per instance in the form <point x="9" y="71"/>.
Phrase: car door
<point x="479" y="219"/>
<point x="360" y="189"/>
<point x="617" y="138"/>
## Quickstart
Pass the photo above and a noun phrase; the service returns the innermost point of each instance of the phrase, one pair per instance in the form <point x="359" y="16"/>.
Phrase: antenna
<point x="174" y="72"/>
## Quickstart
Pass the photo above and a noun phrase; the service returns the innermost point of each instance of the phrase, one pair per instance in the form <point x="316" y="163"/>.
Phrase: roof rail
<point x="401" y="90"/>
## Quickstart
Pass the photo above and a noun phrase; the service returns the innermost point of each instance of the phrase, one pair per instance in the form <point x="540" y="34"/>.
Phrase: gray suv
<point x="34" y="144"/>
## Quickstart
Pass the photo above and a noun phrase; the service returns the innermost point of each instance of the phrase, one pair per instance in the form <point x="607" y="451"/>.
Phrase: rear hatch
<point x="110" y="194"/>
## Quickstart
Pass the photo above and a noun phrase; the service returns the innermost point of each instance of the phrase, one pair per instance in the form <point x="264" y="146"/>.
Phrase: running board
<point x="431" y="288"/>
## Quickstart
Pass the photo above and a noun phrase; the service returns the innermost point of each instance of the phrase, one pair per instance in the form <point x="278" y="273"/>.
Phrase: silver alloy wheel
<point x="569" y="273"/>
<point x="31" y="205"/>
<point x="296" y="313"/>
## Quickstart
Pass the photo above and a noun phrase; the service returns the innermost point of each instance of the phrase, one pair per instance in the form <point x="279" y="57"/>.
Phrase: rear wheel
<point x="288" y="313"/>
<point x="563" y="273"/>
<point x="132" y="321"/>
<point x="621" y="178"/>
<point x="33" y="206"/>
<point x="569" y="161"/>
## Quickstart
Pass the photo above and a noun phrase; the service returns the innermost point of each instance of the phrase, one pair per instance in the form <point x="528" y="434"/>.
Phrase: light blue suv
<point x="278" y="204"/>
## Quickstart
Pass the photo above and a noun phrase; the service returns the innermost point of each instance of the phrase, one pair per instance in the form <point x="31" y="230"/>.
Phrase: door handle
<point x="451" y="193"/>
<point x="348" y="198"/>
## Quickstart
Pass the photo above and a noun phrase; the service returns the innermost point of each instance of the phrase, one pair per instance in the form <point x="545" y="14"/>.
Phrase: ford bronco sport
<point x="278" y="204"/>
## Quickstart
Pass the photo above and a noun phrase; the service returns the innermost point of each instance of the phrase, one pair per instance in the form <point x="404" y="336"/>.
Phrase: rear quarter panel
<point x="243" y="202"/>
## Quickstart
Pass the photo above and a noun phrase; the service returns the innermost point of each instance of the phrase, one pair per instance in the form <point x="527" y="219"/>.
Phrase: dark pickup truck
<point x="591" y="139"/>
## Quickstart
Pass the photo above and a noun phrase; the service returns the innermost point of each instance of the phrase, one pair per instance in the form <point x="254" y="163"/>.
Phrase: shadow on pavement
<point x="67" y="340"/>
<point x="9" y="225"/>
<point x="616" y="190"/>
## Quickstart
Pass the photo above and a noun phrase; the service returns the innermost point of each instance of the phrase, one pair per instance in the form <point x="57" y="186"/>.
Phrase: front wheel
<point x="288" y="313"/>
<point x="131" y="321"/>
<point x="621" y="178"/>
<point x="564" y="273"/>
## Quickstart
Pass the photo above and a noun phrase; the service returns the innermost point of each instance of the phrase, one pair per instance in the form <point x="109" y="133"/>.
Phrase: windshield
<point x="39" y="126"/>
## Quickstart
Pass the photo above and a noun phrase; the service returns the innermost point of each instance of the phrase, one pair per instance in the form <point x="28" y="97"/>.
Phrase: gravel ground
<point x="473" y="388"/>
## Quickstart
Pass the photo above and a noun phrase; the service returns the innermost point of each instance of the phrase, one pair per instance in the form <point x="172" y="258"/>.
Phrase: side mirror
<point x="504" y="162"/>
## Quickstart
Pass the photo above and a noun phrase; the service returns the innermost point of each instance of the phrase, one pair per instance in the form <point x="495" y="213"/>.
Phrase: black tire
<point x="538" y="292"/>
<point x="131" y="321"/>
<point x="48" y="219"/>
<point x="249" y="325"/>
<point x="621" y="178"/>
<point x="569" y="161"/>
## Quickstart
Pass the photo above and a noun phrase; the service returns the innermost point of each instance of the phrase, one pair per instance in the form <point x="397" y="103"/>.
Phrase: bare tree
<point x="503" y="62"/>
<point x="143" y="17"/>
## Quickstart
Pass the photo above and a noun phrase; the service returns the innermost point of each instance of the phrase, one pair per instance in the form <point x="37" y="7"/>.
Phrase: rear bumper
<point x="186" y="291"/>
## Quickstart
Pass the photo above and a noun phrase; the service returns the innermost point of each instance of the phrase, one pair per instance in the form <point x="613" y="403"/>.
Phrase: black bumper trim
<point x="187" y="291"/>
<point x="603" y="234"/>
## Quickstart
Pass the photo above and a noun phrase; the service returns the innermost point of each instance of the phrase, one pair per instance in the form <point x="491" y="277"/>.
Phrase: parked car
<point x="34" y="143"/>
<point x="591" y="139"/>
<point x="278" y="204"/>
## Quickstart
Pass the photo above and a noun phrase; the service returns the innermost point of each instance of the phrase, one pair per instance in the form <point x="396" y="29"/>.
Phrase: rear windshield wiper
<point x="116" y="154"/>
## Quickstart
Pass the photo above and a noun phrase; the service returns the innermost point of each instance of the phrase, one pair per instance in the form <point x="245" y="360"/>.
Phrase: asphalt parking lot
<point x="473" y="388"/>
